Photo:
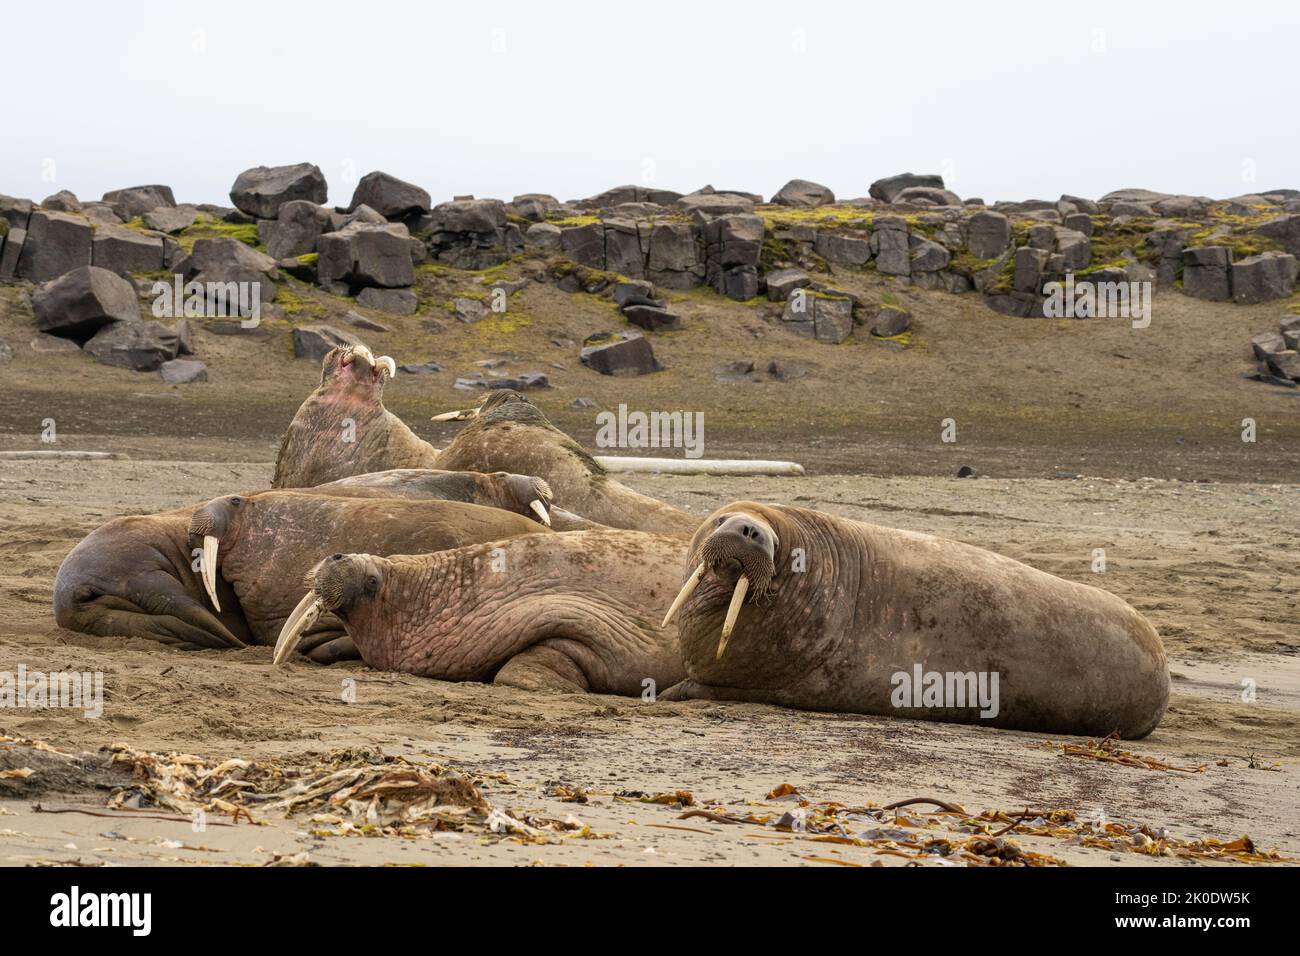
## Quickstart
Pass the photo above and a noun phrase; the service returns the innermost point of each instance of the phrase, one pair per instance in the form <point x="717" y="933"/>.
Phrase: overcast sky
<point x="495" y="98"/>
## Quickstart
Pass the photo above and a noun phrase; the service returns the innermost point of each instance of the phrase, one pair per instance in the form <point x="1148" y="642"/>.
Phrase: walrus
<point x="262" y="545"/>
<point x="342" y="428"/>
<point x="807" y="610"/>
<point x="572" y="612"/>
<point x="508" y="431"/>
<point x="139" y="576"/>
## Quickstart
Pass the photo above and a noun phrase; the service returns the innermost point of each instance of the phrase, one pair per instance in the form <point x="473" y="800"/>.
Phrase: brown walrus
<point x="262" y="545"/>
<point x="138" y="575"/>
<point x="562" y="612"/>
<point x="343" y="429"/>
<point x="794" y="607"/>
<point x="508" y="431"/>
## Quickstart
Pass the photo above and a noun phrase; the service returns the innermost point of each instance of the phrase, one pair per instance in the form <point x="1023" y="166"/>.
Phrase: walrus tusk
<point x="387" y="362"/>
<point x="302" y="617"/>
<point x="456" y="416"/>
<point x="208" y="569"/>
<point x="365" y="352"/>
<point x="687" y="590"/>
<point x="540" y="510"/>
<point x="733" y="612"/>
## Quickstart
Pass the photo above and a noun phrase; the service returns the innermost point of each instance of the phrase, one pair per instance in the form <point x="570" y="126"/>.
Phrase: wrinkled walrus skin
<point x="572" y="612"/>
<point x="343" y="429"/>
<point x="266" y="543"/>
<point x="138" y="576"/>
<point x="872" y="602"/>
<point x="508" y="432"/>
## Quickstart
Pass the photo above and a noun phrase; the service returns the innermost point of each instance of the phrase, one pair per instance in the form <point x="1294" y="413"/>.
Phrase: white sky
<point x="494" y="98"/>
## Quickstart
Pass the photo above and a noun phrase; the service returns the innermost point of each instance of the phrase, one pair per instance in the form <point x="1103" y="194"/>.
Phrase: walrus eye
<point x="236" y="501"/>
<point x="372" y="585"/>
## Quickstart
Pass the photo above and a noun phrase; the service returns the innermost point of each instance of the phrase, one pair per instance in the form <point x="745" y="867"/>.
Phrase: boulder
<point x="887" y="189"/>
<point x="842" y="250"/>
<point x="534" y="207"/>
<point x="784" y="281"/>
<point x="735" y="371"/>
<point x="928" y="255"/>
<point x="1074" y="248"/>
<point x="1285" y="364"/>
<point x="733" y="246"/>
<point x="395" y="301"/>
<point x="622" y="194"/>
<point x="1262" y="278"/>
<point x="422" y="368"/>
<point x="988" y="234"/>
<point x="183" y="371"/>
<point x="262" y="190"/>
<point x="392" y="198"/>
<point x="802" y="192"/>
<point x="1266" y="343"/>
<point x="56" y="242"/>
<point x="635" y="292"/>
<point x="1206" y="272"/>
<point x="1285" y="231"/>
<point x="651" y="318"/>
<point x="16" y="212"/>
<point x="296" y="229"/>
<point x="81" y="302"/>
<point x="827" y="317"/>
<point x="674" y="260"/>
<point x="225" y="259"/>
<point x="784" y="371"/>
<point x="474" y="216"/>
<point x="365" y="255"/>
<point x="623" y="252"/>
<point x="543" y="235"/>
<point x="622" y="353"/>
<point x="889" y="244"/>
<point x="359" y="321"/>
<point x="124" y="251"/>
<point x="62" y="201"/>
<point x="11" y="251"/>
<point x="141" y="346"/>
<point x="928" y="195"/>
<point x="138" y="200"/>
<point x="52" y="345"/>
<point x="171" y="219"/>
<point x="314" y="341"/>
<point x="468" y="310"/>
<point x="890" y="320"/>
<point x="1031" y="264"/>
<point x="716" y="204"/>
<point x="585" y="245"/>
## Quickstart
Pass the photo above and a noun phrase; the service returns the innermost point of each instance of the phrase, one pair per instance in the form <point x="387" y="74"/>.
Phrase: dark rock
<point x="966" y="471"/>
<point x="988" y="234"/>
<point x="801" y="192"/>
<point x="365" y="255"/>
<point x="1206" y="272"/>
<point x="652" y="319"/>
<point x="62" y="201"/>
<point x="735" y="371"/>
<point x="56" y="242"/>
<point x="171" y="219"/>
<point x="1019" y="304"/>
<point x="890" y="246"/>
<point x="1266" y="344"/>
<point x="935" y="195"/>
<point x="392" y="198"/>
<point x="468" y="310"/>
<point x="585" y="245"/>
<point x="580" y="403"/>
<point x="1031" y="264"/>
<point x="183" y="371"/>
<point x="314" y="341"/>
<point x="674" y="260"/>
<point x="784" y="371"/>
<point x="890" y="320"/>
<point x="842" y="250"/>
<point x="1285" y="364"/>
<point x="422" y="368"/>
<point x="534" y="207"/>
<point x="81" y="302"/>
<point x="225" y="259"/>
<point x="359" y="321"/>
<point x="299" y="225"/>
<point x="300" y="268"/>
<point x="395" y="301"/>
<point x="543" y="235"/>
<point x="520" y="383"/>
<point x="887" y="189"/>
<point x="138" y="200"/>
<point x="1285" y="231"/>
<point x="124" y="251"/>
<point x="11" y="252"/>
<point x="262" y="190"/>
<point x="928" y="256"/>
<point x="52" y="344"/>
<point x="1262" y="278"/>
<point x="784" y="281"/>
<point x="141" y="346"/>
<point x="622" y="353"/>
<point x="635" y="292"/>
<point x="715" y="204"/>
<point x="474" y="216"/>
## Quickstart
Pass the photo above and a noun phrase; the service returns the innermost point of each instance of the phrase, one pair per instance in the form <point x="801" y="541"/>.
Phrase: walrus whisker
<point x="687" y="590"/>
<point x="302" y="617"/>
<point x="208" y="569"/>
<point x="733" y="612"/>
<point x="540" y="510"/>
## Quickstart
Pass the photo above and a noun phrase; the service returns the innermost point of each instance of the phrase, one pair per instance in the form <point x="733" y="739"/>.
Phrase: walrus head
<point x="524" y="493"/>
<point x="734" y="556"/>
<point x="355" y="366"/>
<point x="498" y="405"/>
<point x="336" y="585"/>
<point x="209" y="525"/>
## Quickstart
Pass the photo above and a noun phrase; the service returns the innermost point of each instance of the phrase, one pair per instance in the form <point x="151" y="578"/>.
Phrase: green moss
<point x="565" y="222"/>
<point x="309" y="258"/>
<point x="296" y="305"/>
<point x="205" y="227"/>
